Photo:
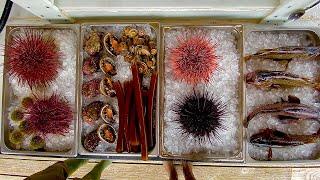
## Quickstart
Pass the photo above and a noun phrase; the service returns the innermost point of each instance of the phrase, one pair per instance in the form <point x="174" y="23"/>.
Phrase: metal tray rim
<point x="239" y="155"/>
<point x="153" y="153"/>
<point x="4" y="148"/>
<point x="277" y="163"/>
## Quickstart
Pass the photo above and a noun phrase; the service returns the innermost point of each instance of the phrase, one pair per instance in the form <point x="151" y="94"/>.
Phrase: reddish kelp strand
<point x="150" y="106"/>
<point x="121" y="103"/>
<point x="140" y="111"/>
<point x="48" y="115"/>
<point x="33" y="58"/>
<point x="193" y="59"/>
<point x="133" y="128"/>
<point x="200" y="115"/>
<point x="128" y="105"/>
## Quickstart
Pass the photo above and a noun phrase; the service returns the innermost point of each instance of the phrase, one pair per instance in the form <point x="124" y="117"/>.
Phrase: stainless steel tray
<point x="235" y="158"/>
<point x="313" y="34"/>
<point x="7" y="97"/>
<point x="241" y="159"/>
<point x="110" y="154"/>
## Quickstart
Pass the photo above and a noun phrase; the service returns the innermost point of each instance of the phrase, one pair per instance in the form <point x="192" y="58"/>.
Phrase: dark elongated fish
<point x="278" y="79"/>
<point x="275" y="138"/>
<point x="291" y="109"/>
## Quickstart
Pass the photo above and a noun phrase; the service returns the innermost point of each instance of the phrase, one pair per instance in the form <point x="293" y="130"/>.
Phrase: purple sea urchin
<point x="200" y="115"/>
<point x="48" y="115"/>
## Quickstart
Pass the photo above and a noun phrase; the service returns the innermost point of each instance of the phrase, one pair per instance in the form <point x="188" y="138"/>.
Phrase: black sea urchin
<point x="200" y="115"/>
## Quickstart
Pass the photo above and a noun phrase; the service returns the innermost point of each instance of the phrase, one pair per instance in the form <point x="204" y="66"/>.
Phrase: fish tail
<point x="249" y="117"/>
<point x="246" y="120"/>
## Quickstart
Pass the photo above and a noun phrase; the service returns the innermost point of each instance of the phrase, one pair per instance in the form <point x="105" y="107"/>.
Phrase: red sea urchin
<point x="200" y="115"/>
<point x="33" y="58"/>
<point x="48" y="115"/>
<point x="193" y="59"/>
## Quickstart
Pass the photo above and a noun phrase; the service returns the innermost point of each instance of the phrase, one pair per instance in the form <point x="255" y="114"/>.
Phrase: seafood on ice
<point x="285" y="54"/>
<point x="287" y="111"/>
<point x="278" y="79"/>
<point x="276" y="139"/>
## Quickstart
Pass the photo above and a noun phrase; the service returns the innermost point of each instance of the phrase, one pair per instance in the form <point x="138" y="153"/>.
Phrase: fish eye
<point x="313" y="49"/>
